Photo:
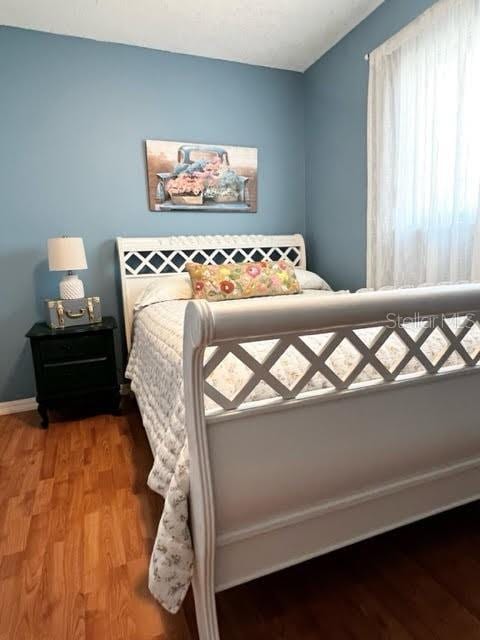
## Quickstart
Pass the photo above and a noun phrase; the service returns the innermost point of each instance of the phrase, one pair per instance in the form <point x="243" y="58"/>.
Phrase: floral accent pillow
<point x="242" y="280"/>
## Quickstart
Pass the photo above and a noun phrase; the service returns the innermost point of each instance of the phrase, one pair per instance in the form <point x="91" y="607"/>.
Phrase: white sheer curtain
<point x="424" y="150"/>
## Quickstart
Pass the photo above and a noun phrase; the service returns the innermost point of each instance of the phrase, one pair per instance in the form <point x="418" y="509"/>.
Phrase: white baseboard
<point x="16" y="406"/>
<point x="30" y="404"/>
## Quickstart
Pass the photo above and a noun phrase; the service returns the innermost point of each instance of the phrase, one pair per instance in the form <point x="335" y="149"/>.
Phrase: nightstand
<point x="75" y="366"/>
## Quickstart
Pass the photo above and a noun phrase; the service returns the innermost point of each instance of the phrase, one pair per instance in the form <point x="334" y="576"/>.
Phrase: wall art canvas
<point x="185" y="176"/>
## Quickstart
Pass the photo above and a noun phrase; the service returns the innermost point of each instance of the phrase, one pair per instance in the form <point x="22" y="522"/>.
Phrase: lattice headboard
<point x="144" y="258"/>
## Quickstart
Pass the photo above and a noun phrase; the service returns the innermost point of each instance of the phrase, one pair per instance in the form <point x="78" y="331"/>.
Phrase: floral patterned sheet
<point x="155" y="370"/>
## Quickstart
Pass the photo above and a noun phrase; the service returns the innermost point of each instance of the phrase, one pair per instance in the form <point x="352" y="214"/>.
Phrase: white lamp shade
<point x="66" y="254"/>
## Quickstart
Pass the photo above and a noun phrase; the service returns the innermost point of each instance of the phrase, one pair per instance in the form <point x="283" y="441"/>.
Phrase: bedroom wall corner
<point x="336" y="89"/>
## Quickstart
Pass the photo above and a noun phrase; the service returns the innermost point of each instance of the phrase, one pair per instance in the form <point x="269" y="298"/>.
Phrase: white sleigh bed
<point x="279" y="480"/>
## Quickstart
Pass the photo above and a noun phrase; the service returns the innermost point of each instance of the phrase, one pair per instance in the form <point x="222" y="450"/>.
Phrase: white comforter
<point x="155" y="370"/>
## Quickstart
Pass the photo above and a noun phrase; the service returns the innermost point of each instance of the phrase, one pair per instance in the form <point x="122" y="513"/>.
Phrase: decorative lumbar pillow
<point x="168" y="287"/>
<point x="242" y="280"/>
<point x="310" y="280"/>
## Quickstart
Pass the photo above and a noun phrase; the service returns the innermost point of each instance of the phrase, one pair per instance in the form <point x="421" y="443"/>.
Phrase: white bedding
<point x="155" y="370"/>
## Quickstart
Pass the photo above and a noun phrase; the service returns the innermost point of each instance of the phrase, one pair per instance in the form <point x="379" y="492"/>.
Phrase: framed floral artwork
<point x="185" y="176"/>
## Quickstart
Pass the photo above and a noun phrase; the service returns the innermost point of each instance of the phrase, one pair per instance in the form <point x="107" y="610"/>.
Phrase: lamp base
<point x="71" y="287"/>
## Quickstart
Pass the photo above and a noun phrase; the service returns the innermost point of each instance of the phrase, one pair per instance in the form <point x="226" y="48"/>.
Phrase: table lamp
<point x="68" y="254"/>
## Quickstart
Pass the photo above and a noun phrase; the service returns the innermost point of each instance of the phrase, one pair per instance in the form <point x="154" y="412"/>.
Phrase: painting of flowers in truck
<point x="184" y="176"/>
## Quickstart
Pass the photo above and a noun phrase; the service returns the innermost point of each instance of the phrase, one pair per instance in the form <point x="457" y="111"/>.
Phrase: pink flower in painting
<point x="253" y="270"/>
<point x="184" y="184"/>
<point x="198" y="285"/>
<point x="282" y="264"/>
<point x="276" y="281"/>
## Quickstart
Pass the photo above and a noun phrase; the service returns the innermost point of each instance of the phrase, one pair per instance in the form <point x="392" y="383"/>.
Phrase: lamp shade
<point x="66" y="254"/>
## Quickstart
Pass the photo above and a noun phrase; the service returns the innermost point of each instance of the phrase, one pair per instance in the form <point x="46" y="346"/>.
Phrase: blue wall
<point x="74" y="115"/>
<point x="336" y="161"/>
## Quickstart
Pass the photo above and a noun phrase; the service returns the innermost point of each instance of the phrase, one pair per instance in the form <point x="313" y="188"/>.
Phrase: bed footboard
<point x="310" y="469"/>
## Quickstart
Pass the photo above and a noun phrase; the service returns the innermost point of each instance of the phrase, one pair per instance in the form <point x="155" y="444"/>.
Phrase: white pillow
<point x="310" y="280"/>
<point x="176" y="286"/>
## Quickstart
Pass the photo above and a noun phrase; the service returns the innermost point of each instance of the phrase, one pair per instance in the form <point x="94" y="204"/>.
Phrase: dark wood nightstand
<point x="75" y="366"/>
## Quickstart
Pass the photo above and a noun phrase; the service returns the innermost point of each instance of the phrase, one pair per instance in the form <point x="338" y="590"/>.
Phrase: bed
<point x="283" y="428"/>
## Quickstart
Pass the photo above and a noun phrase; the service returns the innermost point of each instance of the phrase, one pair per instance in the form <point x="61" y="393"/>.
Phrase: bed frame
<point x="276" y="482"/>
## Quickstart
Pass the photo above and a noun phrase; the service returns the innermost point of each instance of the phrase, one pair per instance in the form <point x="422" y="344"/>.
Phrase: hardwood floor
<point x="77" y="523"/>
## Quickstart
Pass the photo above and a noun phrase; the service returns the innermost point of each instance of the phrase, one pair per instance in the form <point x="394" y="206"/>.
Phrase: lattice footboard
<point x="299" y="366"/>
<point x="311" y="347"/>
<point x="292" y="455"/>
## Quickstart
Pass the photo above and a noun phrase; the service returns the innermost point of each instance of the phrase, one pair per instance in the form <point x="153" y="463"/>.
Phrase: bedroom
<point x="82" y="90"/>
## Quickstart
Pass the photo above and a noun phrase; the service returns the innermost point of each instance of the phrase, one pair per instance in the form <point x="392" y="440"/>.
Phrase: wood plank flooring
<point x="77" y="523"/>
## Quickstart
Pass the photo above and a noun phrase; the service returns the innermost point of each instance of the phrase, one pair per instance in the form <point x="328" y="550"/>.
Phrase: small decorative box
<point x="67" y="313"/>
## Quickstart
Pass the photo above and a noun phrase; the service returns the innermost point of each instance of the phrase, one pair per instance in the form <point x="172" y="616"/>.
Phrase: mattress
<point x="155" y="369"/>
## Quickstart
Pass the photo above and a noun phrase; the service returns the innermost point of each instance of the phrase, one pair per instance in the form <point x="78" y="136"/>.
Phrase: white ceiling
<point x="286" y="34"/>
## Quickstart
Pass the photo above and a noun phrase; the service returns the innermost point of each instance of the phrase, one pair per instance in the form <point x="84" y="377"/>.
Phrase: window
<point x="424" y="150"/>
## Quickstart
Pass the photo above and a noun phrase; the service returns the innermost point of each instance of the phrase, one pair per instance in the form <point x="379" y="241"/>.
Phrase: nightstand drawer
<point x="78" y="348"/>
<point x="74" y="376"/>
<point x="75" y="365"/>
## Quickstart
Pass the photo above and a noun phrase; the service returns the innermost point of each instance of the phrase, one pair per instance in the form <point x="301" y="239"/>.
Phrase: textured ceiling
<point x="286" y="34"/>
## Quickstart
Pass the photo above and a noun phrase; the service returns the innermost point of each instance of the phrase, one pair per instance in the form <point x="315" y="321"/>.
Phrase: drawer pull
<point x="72" y="314"/>
<point x="50" y="365"/>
